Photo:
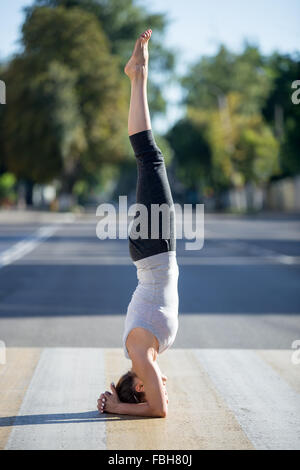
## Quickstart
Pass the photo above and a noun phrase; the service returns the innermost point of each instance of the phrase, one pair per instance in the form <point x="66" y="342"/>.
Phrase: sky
<point x="196" y="28"/>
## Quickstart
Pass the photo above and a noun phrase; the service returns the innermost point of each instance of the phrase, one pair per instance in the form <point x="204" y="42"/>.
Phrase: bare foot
<point x="138" y="62"/>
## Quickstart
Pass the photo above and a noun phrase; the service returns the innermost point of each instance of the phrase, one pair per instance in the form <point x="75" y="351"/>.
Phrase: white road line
<point x="238" y="260"/>
<point x="25" y="246"/>
<point x="59" y="408"/>
<point x="266" y="407"/>
<point x="265" y="253"/>
<point x="182" y="260"/>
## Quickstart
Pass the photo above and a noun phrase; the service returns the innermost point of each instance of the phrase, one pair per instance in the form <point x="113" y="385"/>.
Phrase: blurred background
<point x="220" y="90"/>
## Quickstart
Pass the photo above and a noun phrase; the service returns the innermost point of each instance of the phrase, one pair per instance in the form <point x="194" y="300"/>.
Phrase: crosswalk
<point x="218" y="399"/>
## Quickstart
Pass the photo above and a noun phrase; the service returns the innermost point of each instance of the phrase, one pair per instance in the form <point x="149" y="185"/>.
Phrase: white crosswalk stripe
<point x="266" y="407"/>
<point x="248" y="402"/>
<point x="58" y="408"/>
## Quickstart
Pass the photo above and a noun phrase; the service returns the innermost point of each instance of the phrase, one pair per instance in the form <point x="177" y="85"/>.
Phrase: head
<point x="130" y="388"/>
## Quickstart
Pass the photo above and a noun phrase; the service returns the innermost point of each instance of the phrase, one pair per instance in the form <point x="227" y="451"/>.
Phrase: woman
<point x="152" y="317"/>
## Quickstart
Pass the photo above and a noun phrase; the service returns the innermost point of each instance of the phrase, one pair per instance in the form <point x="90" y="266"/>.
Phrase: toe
<point x="146" y="34"/>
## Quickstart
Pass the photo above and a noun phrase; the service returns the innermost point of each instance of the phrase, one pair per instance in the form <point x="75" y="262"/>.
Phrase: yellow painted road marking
<point x="198" y="417"/>
<point x="15" y="377"/>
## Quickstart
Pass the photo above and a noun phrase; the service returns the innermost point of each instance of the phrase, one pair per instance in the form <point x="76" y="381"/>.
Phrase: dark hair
<point x="126" y="391"/>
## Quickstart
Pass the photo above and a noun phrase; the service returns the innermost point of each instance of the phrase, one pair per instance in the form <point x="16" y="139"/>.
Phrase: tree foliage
<point x="67" y="102"/>
<point x="217" y="76"/>
<point x="67" y="94"/>
<point x="226" y="139"/>
<point x="281" y="112"/>
<point x="122" y="21"/>
<point x="192" y="152"/>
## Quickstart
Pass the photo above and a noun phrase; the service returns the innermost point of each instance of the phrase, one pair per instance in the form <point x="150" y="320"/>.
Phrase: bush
<point x="7" y="189"/>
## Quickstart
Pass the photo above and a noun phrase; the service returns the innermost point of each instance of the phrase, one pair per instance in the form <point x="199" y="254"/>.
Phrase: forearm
<point x="137" y="409"/>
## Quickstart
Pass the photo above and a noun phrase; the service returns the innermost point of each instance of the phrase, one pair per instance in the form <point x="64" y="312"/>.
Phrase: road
<point x="233" y="377"/>
<point x="72" y="289"/>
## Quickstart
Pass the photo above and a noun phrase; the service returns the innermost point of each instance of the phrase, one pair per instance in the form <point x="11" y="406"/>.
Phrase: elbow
<point x="160" y="413"/>
<point x="163" y="414"/>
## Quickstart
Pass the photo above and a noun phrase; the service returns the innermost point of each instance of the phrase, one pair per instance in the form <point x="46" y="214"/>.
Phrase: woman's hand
<point x="164" y="379"/>
<point x="109" y="401"/>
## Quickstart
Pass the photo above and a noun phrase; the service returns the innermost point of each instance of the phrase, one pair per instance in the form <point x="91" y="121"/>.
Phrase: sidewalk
<point x="219" y="399"/>
<point x="15" y="216"/>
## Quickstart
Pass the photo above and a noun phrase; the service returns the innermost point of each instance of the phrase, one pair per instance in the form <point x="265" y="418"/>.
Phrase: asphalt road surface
<point x="61" y="286"/>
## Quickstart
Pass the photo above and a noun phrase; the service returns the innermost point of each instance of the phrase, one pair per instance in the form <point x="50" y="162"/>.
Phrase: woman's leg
<point x="152" y="185"/>
<point x="137" y="71"/>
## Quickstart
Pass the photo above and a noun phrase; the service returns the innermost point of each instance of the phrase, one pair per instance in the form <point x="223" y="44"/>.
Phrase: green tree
<point x="122" y="22"/>
<point x="243" y="149"/>
<point x="192" y="153"/>
<point x="7" y="186"/>
<point x="213" y="78"/>
<point x="281" y="112"/>
<point x="224" y="96"/>
<point x="67" y="102"/>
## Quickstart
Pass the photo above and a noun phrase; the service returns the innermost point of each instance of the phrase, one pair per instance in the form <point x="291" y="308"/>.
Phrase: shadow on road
<point x="64" y="418"/>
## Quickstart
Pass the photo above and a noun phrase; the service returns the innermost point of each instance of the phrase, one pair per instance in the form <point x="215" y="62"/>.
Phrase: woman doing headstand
<point x="152" y="317"/>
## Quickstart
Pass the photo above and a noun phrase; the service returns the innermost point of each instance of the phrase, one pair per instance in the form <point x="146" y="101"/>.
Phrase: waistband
<point x="161" y="259"/>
